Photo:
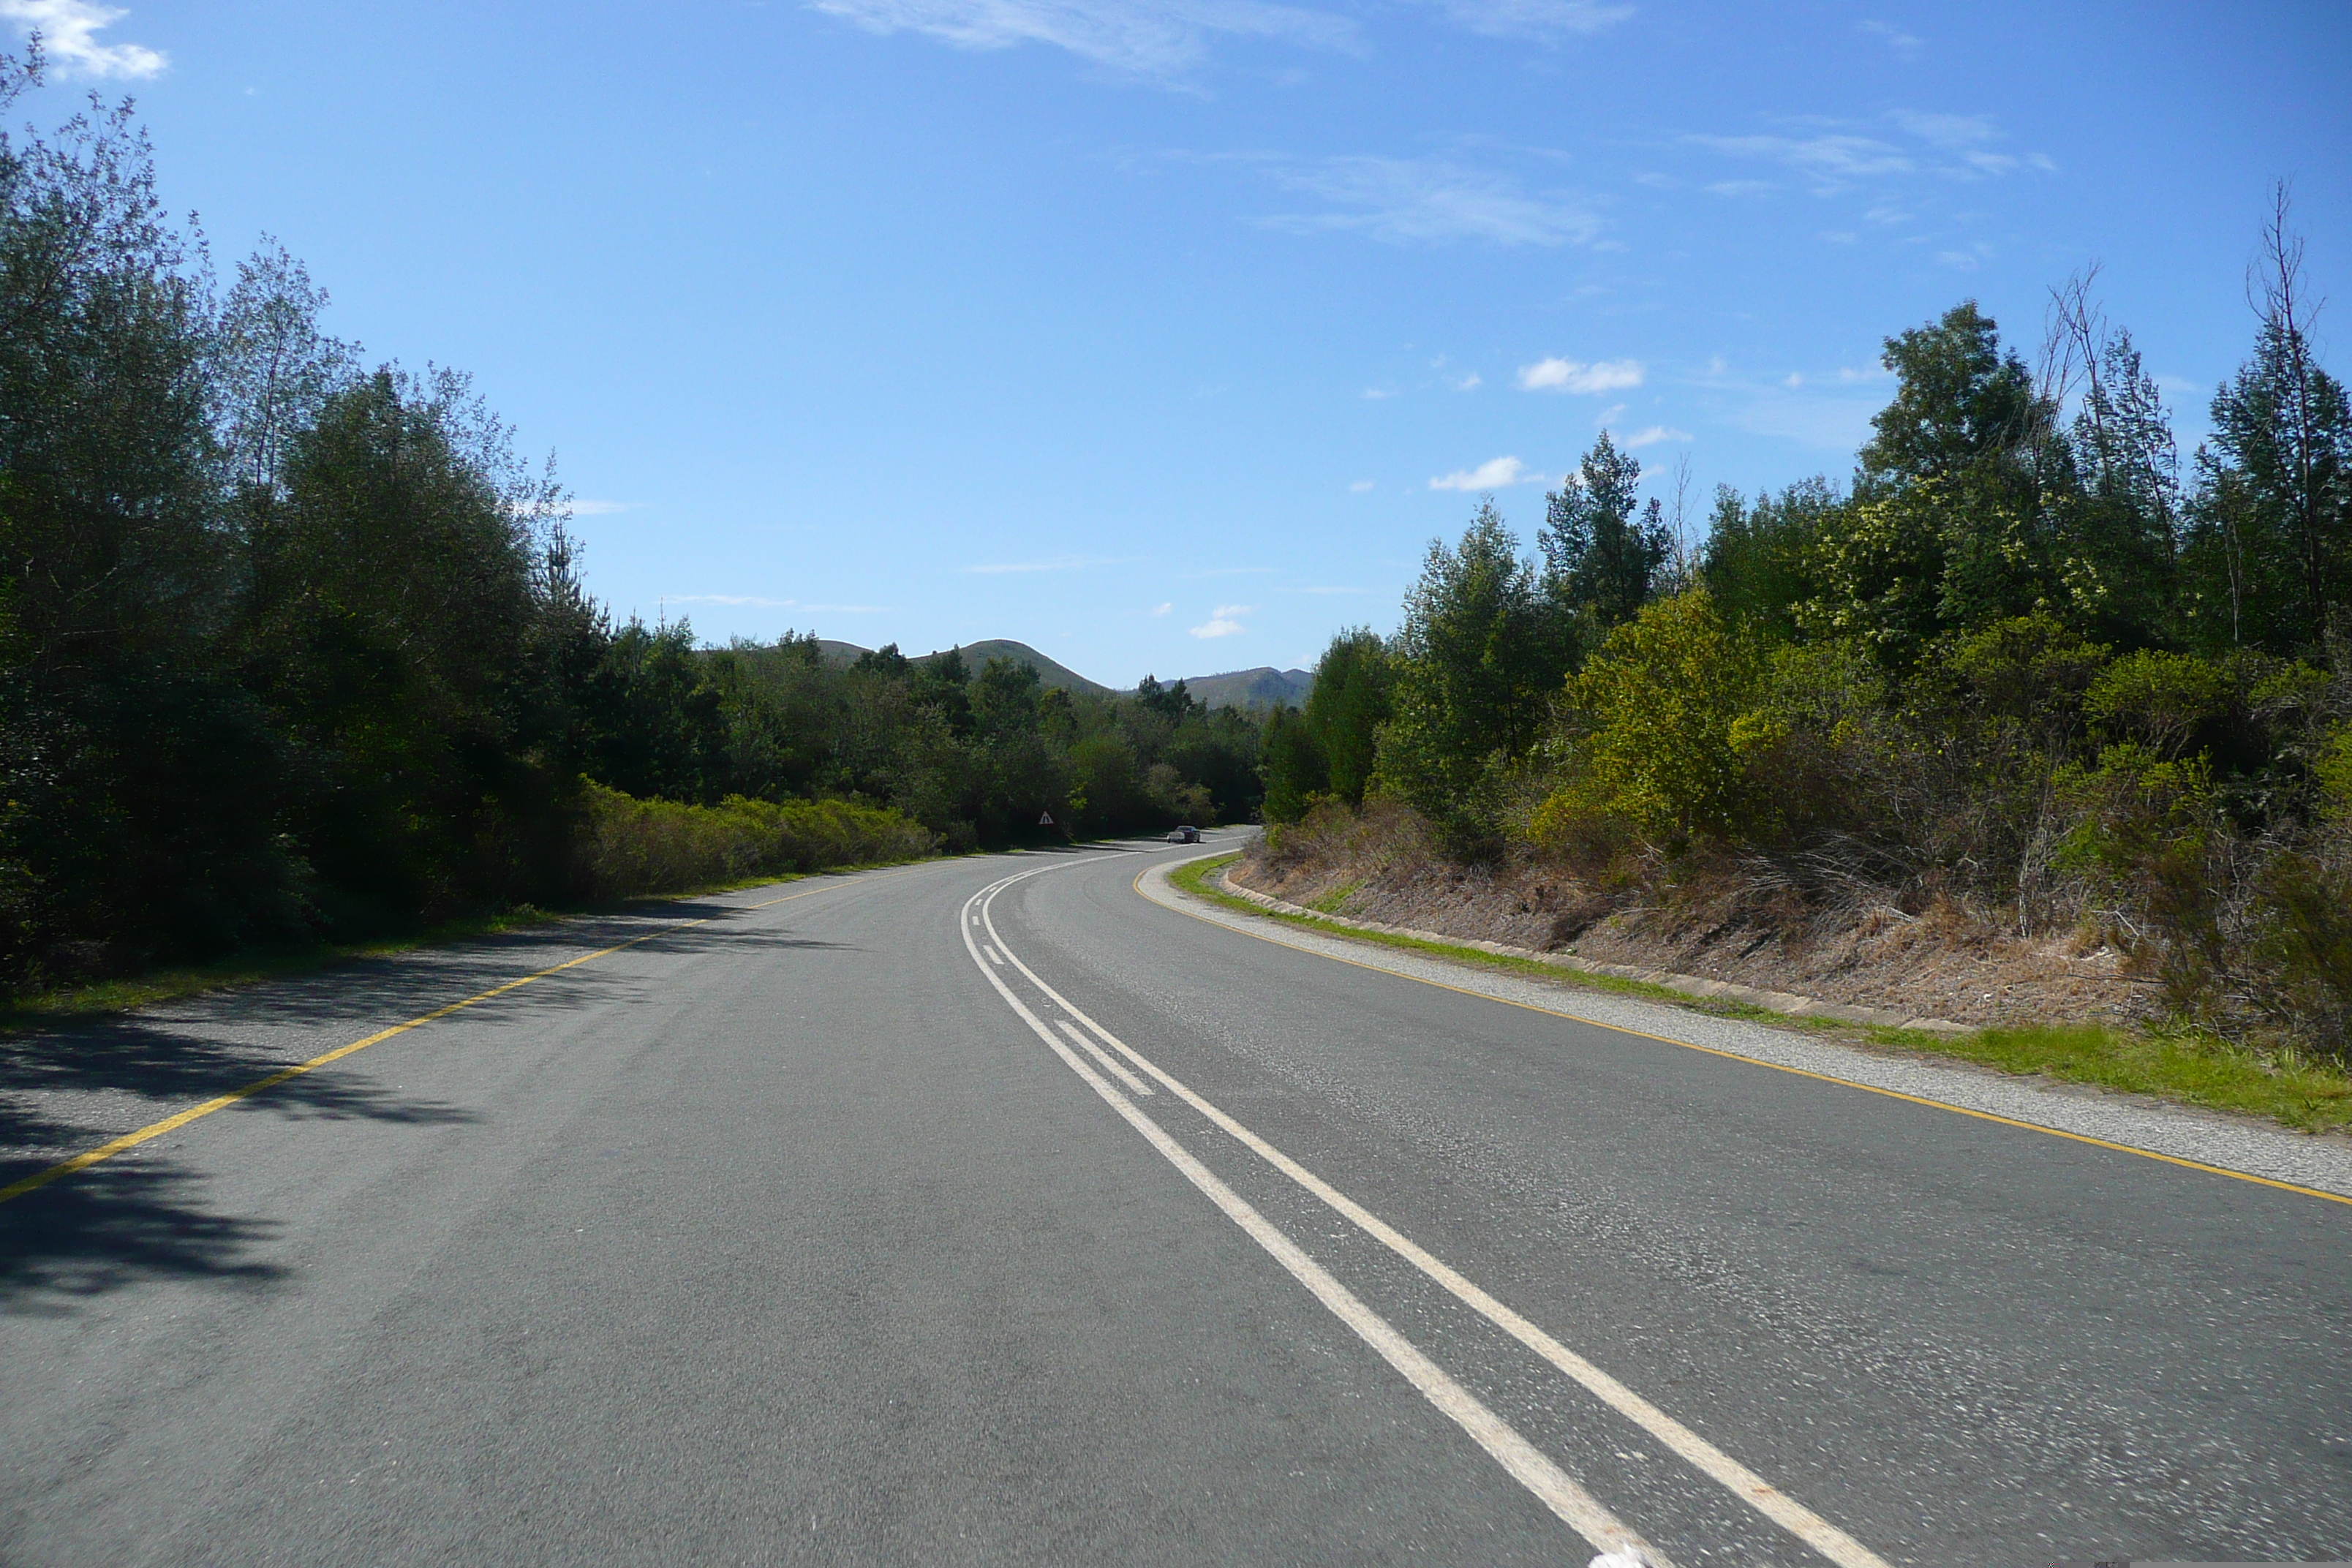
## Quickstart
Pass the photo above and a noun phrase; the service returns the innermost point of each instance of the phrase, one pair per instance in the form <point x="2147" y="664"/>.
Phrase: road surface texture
<point x="992" y="1211"/>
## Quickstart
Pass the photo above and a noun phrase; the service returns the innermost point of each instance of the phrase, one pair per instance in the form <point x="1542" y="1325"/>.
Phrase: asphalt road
<point x="787" y="1237"/>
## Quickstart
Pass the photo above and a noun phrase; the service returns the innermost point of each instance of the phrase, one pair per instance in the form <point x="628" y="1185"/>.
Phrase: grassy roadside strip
<point x="77" y="1004"/>
<point x="2184" y="1066"/>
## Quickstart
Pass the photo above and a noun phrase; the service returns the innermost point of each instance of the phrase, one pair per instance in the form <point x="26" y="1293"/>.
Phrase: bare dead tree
<point x="2274" y="290"/>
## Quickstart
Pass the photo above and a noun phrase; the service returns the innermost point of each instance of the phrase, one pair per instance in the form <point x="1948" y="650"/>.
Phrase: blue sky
<point x="1163" y="334"/>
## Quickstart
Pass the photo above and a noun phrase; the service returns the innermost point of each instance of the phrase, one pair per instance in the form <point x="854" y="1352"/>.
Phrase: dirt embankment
<point x="1942" y="962"/>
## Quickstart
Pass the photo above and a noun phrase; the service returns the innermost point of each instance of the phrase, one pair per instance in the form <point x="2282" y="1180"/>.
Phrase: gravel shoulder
<point x="2233" y="1144"/>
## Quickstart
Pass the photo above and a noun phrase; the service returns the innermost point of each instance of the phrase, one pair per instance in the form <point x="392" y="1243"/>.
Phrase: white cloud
<point x="1470" y="382"/>
<point x="1375" y="394"/>
<point x="1796" y="378"/>
<point x="1896" y="38"/>
<point x="1161" y="609"/>
<point x="1533" y="19"/>
<point x="1420" y="201"/>
<point x="1361" y="485"/>
<point x="1741" y="188"/>
<point x="1222" y="623"/>
<point x="69" y="30"/>
<point x="1609" y="414"/>
<point x="1147" y="38"/>
<point x="1491" y="475"/>
<point x="1652" y="436"/>
<point x="1574" y="375"/>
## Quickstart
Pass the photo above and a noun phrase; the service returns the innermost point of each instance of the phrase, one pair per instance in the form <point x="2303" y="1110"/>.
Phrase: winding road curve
<point x="994" y="1211"/>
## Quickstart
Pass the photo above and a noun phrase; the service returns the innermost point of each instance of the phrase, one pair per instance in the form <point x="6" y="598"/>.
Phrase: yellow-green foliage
<point x="630" y="848"/>
<point x="2333" y="772"/>
<point x="1667" y="707"/>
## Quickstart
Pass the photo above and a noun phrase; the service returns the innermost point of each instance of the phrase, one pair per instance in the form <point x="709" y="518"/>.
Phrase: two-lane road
<point x="961" y="1213"/>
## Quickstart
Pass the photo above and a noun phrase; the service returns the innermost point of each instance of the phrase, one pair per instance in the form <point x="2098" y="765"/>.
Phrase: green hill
<point x="977" y="654"/>
<point x="1265" y="687"/>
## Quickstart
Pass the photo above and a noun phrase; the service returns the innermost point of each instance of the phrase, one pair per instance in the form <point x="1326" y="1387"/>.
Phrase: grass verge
<point x="2181" y="1066"/>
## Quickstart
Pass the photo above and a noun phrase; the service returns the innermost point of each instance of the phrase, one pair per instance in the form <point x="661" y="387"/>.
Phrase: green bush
<point x="1667" y="700"/>
<point x="629" y="848"/>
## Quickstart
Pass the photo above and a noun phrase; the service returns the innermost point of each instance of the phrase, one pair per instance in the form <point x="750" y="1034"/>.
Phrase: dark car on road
<point x="1183" y="835"/>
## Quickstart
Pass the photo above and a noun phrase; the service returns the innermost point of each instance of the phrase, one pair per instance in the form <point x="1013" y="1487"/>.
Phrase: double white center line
<point x="1529" y="1466"/>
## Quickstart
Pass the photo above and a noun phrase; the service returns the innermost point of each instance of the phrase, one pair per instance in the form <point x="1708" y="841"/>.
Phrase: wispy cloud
<point x="1652" y="436"/>
<point x="1061" y="563"/>
<point x="1144" y="37"/>
<point x="1470" y="382"/>
<point x="1223" y="621"/>
<point x="69" y="30"/>
<point x="1831" y="158"/>
<point x="1161" y="609"/>
<point x="1792" y="409"/>
<point x="1426" y="201"/>
<point x="1361" y="485"/>
<point x="1575" y="375"/>
<point x="1491" y="475"/>
<point x="1543" y="19"/>
<point x="1896" y="38"/>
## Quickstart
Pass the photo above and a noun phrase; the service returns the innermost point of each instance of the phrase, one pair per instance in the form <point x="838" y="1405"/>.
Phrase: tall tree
<point x="1350" y="699"/>
<point x="1960" y="402"/>
<point x="1603" y="558"/>
<point x="2272" y="528"/>
<point x="138" y="780"/>
<point x="1475" y="672"/>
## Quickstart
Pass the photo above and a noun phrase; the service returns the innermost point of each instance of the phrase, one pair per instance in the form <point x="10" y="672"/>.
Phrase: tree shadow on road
<point x="67" y="1090"/>
<point x="118" y="1225"/>
<point x="131" y="1218"/>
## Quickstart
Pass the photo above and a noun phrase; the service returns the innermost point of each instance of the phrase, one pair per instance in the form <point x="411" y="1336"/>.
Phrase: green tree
<point x="1755" y="561"/>
<point x="1292" y="764"/>
<point x="1475" y="671"/>
<point x="394" y="594"/>
<point x="1350" y="699"/>
<point x="1961" y="402"/>
<point x="141" y="781"/>
<point x="1601" y="559"/>
<point x="1665" y="710"/>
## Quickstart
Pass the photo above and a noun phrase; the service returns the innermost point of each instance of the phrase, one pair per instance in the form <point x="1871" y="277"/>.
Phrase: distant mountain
<point x="1265" y="687"/>
<point x="975" y="655"/>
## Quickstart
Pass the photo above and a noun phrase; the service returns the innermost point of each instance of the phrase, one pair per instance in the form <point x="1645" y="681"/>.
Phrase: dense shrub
<point x="628" y="848"/>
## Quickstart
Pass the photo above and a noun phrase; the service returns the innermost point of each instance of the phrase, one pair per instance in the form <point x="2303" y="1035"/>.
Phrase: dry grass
<point x="2184" y="1066"/>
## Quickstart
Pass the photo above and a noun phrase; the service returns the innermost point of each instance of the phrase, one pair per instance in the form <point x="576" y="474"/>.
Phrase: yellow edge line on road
<point x="106" y="1150"/>
<point x="1340" y="931"/>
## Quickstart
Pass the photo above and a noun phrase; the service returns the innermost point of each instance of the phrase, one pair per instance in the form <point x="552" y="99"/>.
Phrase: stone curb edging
<point x="1788" y="1003"/>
